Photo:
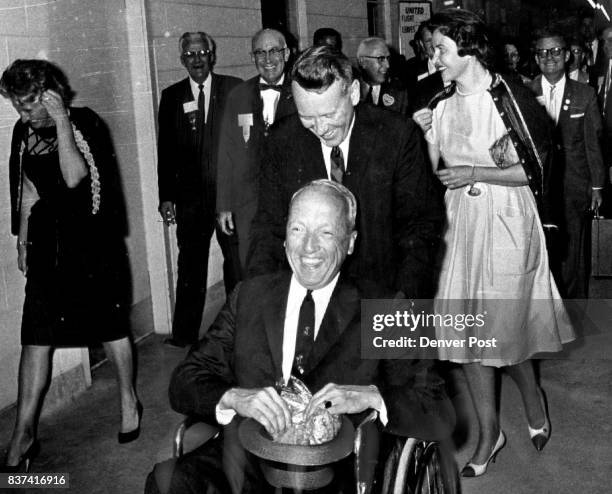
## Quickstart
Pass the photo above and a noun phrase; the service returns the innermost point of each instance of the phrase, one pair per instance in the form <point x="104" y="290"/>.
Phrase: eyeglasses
<point x="191" y="55"/>
<point x="555" y="52"/>
<point x="577" y="51"/>
<point x="272" y="53"/>
<point x="379" y="59"/>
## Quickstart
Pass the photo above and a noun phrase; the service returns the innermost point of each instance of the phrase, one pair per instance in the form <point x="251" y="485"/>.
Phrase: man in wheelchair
<point x="307" y="324"/>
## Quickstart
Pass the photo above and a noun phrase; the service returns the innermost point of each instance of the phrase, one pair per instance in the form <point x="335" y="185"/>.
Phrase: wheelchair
<point x="409" y="465"/>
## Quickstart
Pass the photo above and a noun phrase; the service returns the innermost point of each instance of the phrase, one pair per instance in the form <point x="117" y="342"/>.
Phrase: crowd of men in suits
<point x="236" y="156"/>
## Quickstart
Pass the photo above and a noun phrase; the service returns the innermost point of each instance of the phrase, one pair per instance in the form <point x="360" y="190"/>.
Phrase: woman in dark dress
<point x="67" y="213"/>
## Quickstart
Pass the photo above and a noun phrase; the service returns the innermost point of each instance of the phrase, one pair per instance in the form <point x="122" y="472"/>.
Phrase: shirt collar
<point x="279" y="83"/>
<point x="559" y="85"/>
<point x="195" y="86"/>
<point x="320" y="296"/>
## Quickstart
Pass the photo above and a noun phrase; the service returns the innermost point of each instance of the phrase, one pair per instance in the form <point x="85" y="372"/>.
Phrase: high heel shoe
<point x="128" y="437"/>
<point x="539" y="437"/>
<point x="474" y="470"/>
<point x="25" y="461"/>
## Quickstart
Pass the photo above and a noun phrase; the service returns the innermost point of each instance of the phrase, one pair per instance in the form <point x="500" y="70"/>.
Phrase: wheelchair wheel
<point x="413" y="467"/>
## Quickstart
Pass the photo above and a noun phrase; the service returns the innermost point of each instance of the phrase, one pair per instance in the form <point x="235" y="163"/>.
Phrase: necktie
<point x="337" y="164"/>
<point x="305" y="334"/>
<point x="370" y="95"/>
<point x="201" y="107"/>
<point x="275" y="87"/>
<point x="552" y="104"/>
<point x="591" y="57"/>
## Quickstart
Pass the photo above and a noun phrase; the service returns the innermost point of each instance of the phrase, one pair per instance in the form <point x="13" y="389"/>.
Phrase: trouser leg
<point x="194" y="245"/>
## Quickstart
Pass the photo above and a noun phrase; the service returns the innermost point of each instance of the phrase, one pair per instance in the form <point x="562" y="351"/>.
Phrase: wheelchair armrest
<point x="204" y="433"/>
<point x="366" y="449"/>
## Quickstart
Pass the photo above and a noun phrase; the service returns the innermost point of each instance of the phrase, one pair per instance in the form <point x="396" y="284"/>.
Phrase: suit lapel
<point x="212" y="103"/>
<point x="565" y="104"/>
<point x="256" y="102"/>
<point x="361" y="145"/>
<point x="341" y="310"/>
<point x="285" y="104"/>
<point x="274" y="321"/>
<point x="313" y="164"/>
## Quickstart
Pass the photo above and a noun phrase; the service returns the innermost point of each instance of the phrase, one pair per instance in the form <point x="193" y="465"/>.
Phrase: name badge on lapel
<point x="245" y="120"/>
<point x="190" y="108"/>
<point x="388" y="100"/>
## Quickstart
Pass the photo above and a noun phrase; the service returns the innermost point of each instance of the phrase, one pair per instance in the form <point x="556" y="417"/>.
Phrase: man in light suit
<point x="253" y="106"/>
<point x="377" y="86"/>
<point x="304" y="323"/>
<point x="190" y="113"/>
<point x="375" y="153"/>
<point x="573" y="108"/>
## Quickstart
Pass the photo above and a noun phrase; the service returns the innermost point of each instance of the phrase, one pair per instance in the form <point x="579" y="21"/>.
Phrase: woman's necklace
<point x="479" y="88"/>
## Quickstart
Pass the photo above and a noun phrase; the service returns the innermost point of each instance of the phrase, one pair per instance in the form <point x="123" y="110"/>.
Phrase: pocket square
<point x="577" y="115"/>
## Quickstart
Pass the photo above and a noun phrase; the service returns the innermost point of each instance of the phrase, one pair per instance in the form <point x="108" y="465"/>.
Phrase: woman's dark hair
<point x="32" y="77"/>
<point x="468" y="31"/>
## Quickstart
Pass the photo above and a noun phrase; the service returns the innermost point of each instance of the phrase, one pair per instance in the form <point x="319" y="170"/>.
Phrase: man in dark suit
<point x="422" y="64"/>
<point x="190" y="113"/>
<point x="573" y="108"/>
<point x="595" y="57"/>
<point x="377" y="86"/>
<point x="253" y="106"/>
<point x="605" y="96"/>
<point x="375" y="153"/>
<point x="304" y="323"/>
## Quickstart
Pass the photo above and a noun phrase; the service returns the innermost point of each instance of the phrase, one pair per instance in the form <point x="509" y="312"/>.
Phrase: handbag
<point x="503" y="152"/>
<point x="601" y="246"/>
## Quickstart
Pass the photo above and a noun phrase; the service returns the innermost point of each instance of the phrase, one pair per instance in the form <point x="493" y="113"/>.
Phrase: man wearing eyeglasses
<point x="572" y="106"/>
<point x="377" y="85"/>
<point x="253" y="107"/>
<point x="576" y="69"/>
<point x="190" y="114"/>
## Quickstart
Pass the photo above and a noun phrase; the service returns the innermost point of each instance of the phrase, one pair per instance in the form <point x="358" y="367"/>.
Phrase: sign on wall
<point x="411" y="14"/>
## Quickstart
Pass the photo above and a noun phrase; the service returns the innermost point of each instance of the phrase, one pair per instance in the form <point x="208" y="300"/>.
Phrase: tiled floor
<point x="81" y="440"/>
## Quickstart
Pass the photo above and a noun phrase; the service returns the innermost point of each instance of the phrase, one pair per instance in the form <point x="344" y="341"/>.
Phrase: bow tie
<point x="274" y="87"/>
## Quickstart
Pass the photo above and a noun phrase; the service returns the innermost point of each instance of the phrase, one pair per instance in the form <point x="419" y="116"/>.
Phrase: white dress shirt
<point x="195" y="89"/>
<point x="295" y="297"/>
<point x="573" y="75"/>
<point x="344" y="146"/>
<point x="270" y="99"/>
<point x="553" y="107"/>
<point x="375" y="94"/>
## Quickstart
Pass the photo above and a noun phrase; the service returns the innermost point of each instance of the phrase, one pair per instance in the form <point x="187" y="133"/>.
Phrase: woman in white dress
<point x="494" y="141"/>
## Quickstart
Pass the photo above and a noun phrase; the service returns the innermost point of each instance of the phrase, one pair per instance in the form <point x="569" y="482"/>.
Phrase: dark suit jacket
<point x="399" y="215"/>
<point x="243" y="348"/>
<point x="425" y="90"/>
<point x="578" y="137"/>
<point x="393" y="96"/>
<point x="186" y="168"/>
<point x="238" y="161"/>
<point x="414" y="70"/>
<point x="606" y="112"/>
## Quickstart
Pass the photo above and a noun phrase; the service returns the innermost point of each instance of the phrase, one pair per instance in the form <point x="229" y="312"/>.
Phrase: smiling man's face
<point x="327" y="114"/>
<point x="318" y="239"/>
<point x="197" y="59"/>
